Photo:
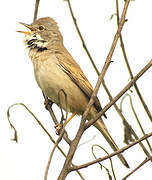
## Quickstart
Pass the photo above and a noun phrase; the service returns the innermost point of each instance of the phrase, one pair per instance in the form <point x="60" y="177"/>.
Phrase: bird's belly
<point x="52" y="80"/>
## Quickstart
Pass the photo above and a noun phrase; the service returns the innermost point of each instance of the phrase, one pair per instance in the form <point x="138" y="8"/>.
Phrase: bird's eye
<point x="41" y="28"/>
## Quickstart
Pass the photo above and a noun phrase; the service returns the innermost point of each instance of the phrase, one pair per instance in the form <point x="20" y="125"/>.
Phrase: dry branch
<point x="74" y="143"/>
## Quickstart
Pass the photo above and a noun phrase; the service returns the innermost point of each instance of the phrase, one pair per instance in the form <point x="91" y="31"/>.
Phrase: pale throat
<point x="35" y="41"/>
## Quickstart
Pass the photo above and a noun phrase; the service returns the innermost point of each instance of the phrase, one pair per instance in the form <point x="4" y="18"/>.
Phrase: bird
<point x="55" y="69"/>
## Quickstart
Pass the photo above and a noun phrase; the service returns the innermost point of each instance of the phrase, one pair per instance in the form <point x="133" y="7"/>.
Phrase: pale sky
<point x="27" y="160"/>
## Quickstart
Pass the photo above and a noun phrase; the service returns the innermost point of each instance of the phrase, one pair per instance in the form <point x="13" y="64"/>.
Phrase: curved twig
<point x="110" y="177"/>
<point x="51" y="138"/>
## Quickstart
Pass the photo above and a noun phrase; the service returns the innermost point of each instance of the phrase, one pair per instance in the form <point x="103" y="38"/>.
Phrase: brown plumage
<point x="55" y="69"/>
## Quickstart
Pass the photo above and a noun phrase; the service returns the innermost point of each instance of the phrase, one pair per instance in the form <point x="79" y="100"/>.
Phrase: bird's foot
<point x="58" y="128"/>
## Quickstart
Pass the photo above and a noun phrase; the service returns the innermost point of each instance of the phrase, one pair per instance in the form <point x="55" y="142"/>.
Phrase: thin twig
<point x="119" y="94"/>
<point x="111" y="155"/>
<point x="36" y="9"/>
<point x="41" y="125"/>
<point x="80" y="35"/>
<point x="38" y="121"/>
<point x="139" y="166"/>
<point x="60" y="92"/>
<point x="129" y="68"/>
<point x="101" y="164"/>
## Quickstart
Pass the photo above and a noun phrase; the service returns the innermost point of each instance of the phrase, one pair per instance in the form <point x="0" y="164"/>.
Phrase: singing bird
<point x="55" y="69"/>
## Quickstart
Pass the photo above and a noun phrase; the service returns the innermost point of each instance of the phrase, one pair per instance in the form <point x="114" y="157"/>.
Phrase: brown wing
<point x="68" y="64"/>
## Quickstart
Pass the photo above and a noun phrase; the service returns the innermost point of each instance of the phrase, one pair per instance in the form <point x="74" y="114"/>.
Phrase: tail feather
<point x="102" y="128"/>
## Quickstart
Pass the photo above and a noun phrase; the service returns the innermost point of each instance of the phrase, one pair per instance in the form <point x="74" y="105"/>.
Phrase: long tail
<point x="102" y="128"/>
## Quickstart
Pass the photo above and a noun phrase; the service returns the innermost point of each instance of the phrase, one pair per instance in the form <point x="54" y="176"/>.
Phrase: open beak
<point x="29" y="27"/>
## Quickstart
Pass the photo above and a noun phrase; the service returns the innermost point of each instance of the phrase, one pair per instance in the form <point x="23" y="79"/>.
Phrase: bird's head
<point x="42" y="34"/>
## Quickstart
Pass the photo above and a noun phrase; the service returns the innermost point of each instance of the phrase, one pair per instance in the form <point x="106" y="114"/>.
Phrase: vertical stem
<point x="82" y="40"/>
<point x="129" y="68"/>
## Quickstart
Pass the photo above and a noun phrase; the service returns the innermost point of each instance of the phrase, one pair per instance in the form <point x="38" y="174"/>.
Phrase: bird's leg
<point x="47" y="101"/>
<point x="60" y="126"/>
<point x="67" y="120"/>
